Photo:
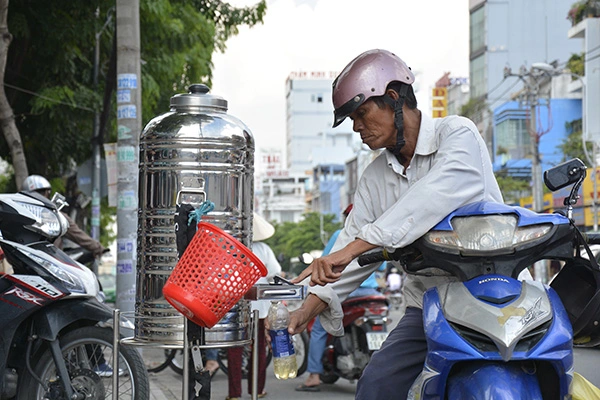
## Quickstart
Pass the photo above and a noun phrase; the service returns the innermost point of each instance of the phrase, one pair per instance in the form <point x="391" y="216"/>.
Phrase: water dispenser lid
<point x="198" y="96"/>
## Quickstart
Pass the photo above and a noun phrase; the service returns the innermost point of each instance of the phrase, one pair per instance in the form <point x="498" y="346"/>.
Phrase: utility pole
<point x="551" y="70"/>
<point x="129" y="121"/>
<point x="96" y="160"/>
<point x="536" y="165"/>
<point x="96" y="141"/>
<point x="540" y="269"/>
<point x="530" y="98"/>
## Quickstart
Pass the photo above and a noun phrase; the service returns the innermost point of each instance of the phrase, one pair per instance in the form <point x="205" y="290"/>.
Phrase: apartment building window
<point x="287" y="216"/>
<point x="478" y="80"/>
<point x="325" y="202"/>
<point x="512" y="139"/>
<point x="477" y="31"/>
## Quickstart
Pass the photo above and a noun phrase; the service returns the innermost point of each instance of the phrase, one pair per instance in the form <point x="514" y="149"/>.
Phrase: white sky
<point x="431" y="36"/>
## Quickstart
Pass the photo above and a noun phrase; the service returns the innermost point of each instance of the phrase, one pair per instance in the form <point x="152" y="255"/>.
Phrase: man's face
<point x="45" y="192"/>
<point x="375" y="125"/>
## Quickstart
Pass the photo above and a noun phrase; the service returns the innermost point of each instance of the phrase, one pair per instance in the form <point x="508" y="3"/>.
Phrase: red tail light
<point x="377" y="309"/>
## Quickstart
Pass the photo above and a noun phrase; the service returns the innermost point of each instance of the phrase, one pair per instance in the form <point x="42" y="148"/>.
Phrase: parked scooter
<point x="365" y="329"/>
<point x="492" y="336"/>
<point x="56" y="339"/>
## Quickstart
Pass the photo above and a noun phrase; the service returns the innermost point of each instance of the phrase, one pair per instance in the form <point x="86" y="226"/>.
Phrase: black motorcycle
<point x="57" y="336"/>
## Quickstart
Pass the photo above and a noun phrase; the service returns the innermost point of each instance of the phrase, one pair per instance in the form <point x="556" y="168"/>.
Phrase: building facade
<point x="279" y="195"/>
<point x="514" y="34"/>
<point x="313" y="176"/>
<point x="310" y="137"/>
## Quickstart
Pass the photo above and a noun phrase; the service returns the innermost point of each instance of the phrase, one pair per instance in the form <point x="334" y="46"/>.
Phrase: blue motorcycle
<point x="491" y="336"/>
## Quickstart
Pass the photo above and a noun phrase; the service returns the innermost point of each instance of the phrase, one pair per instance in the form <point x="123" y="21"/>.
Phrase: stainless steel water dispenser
<point x="196" y="152"/>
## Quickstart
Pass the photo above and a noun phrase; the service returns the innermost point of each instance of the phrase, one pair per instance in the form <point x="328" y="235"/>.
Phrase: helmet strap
<point x="398" y="120"/>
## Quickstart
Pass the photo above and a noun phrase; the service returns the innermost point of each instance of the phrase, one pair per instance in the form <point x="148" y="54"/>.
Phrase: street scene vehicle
<point x="490" y="335"/>
<point x="395" y="298"/>
<point x="365" y="329"/>
<point x="57" y="336"/>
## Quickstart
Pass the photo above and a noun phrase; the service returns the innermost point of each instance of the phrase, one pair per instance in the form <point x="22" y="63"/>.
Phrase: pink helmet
<point x="366" y="76"/>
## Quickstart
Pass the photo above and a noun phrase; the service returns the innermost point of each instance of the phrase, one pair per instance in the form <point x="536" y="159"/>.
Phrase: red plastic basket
<point x="213" y="274"/>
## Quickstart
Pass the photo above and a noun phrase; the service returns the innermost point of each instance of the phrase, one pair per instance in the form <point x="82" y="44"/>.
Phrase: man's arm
<point x="300" y="318"/>
<point x="329" y="268"/>
<point x="77" y="235"/>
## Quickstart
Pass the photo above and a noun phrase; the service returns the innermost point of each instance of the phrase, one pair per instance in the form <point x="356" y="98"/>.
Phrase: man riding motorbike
<point x="429" y="168"/>
<point x="38" y="183"/>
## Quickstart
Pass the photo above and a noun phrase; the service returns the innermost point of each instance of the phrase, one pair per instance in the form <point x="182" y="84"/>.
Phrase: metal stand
<point x="282" y="290"/>
<point x="255" y="334"/>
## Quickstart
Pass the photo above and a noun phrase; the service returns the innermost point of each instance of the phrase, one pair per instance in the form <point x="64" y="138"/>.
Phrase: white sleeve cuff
<point x="332" y="317"/>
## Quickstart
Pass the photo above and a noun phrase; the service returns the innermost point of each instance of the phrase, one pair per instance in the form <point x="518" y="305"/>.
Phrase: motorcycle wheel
<point x="176" y="363"/>
<point x="169" y="359"/>
<point x="87" y="353"/>
<point x="328" y="377"/>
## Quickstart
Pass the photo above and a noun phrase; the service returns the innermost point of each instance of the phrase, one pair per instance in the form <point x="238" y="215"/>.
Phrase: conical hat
<point x="261" y="228"/>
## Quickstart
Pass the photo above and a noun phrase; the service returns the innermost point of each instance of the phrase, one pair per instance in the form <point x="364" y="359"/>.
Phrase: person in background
<point x="318" y="335"/>
<point x="394" y="280"/>
<point x="261" y="230"/>
<point x="39" y="184"/>
<point x="211" y="365"/>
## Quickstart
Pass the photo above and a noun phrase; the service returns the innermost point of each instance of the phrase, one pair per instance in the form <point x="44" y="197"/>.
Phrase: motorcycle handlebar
<point x="378" y="256"/>
<point x="371" y="258"/>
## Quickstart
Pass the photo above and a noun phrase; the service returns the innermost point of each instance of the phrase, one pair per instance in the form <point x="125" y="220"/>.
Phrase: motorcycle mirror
<point x="564" y="174"/>
<point x="59" y="200"/>
<point x="306" y="258"/>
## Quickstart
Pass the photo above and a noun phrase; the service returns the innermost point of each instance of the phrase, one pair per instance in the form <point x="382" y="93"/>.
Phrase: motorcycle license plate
<point x="375" y="339"/>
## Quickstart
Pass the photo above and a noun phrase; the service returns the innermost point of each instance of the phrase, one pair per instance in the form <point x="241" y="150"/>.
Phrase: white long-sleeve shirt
<point x="393" y="207"/>
<point x="266" y="255"/>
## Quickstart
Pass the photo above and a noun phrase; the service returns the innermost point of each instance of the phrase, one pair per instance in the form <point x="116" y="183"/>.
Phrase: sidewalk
<point x="168" y="385"/>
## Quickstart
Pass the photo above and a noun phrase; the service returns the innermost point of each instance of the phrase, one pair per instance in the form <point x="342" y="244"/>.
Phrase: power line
<point x="501" y="97"/>
<point x="47" y="98"/>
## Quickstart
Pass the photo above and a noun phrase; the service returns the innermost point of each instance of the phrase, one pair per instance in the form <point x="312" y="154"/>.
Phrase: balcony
<point x="582" y="10"/>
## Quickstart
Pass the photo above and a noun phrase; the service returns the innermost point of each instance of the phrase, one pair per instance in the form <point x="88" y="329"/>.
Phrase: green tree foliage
<point x="48" y="81"/>
<point x="576" y="64"/>
<point x="473" y="109"/>
<point x="178" y="40"/>
<point x="49" y="71"/>
<point x="572" y="145"/>
<point x="108" y="218"/>
<point x="292" y="239"/>
<point x="49" y="77"/>
<point x="513" y="189"/>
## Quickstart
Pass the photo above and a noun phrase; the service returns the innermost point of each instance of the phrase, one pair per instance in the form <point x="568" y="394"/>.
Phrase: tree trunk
<point x="7" y="118"/>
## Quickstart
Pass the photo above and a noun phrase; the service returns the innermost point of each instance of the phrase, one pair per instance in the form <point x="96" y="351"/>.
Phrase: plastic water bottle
<point x="284" y="358"/>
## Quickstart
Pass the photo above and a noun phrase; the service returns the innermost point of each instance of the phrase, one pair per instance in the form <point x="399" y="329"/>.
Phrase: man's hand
<point x="98" y="251"/>
<point x="329" y="268"/>
<point x="324" y="270"/>
<point x="300" y="318"/>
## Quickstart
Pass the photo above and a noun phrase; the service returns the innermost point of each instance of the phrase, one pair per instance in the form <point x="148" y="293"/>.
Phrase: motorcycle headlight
<point x="489" y="234"/>
<point x="71" y="281"/>
<point x="47" y="222"/>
